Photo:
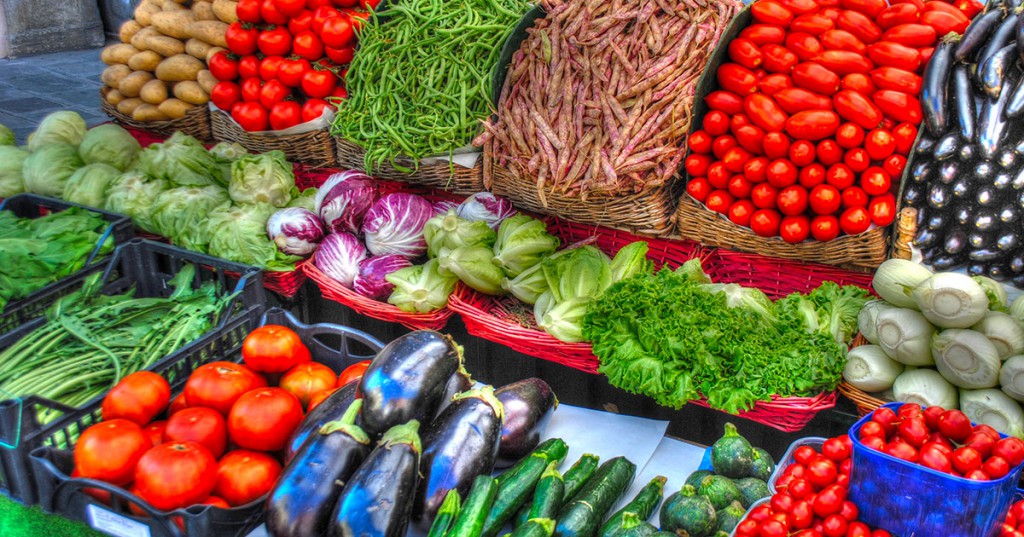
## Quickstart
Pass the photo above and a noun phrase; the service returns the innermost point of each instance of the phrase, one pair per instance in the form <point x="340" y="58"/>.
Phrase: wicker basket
<point x="441" y="175"/>
<point x="286" y="283"/>
<point x="778" y="277"/>
<point x="196" y="122"/>
<point x="864" y="251"/>
<point x="315" y="148"/>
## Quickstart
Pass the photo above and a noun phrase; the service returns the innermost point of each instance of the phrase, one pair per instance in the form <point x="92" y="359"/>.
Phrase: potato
<point x="212" y="32"/>
<point x="203" y="11"/>
<point x="141" y="39"/>
<point x="191" y="92"/>
<point x="148" y="112"/>
<point x="173" y="23"/>
<point x="132" y="84"/>
<point x="172" y="5"/>
<point x="213" y="52"/>
<point x="145" y="11"/>
<point x="128" y="29"/>
<point x="226" y="10"/>
<point x="119" y="53"/>
<point x="113" y="75"/>
<point x="175" y="108"/>
<point x="154" y="92"/>
<point x="146" y="60"/>
<point x="114" y="96"/>
<point x="179" y="68"/>
<point x="206" y="80"/>
<point x="128" y="106"/>
<point x="197" y="49"/>
<point x="165" y="46"/>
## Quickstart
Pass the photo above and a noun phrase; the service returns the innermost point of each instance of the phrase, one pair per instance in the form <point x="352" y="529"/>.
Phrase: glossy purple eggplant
<point x="528" y="404"/>
<point x="460" y="382"/>
<point x="330" y="409"/>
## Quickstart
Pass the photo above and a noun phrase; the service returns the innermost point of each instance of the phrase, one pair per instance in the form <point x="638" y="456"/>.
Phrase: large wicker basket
<point x="196" y="122"/>
<point x="315" y="148"/>
<point x="434" y="174"/>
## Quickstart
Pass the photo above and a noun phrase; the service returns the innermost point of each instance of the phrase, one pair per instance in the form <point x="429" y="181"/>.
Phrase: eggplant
<point x="977" y="33"/>
<point x="937" y="221"/>
<point x="913" y="195"/>
<point x="977" y="269"/>
<point x="966" y="108"/>
<point x="1009" y="214"/>
<point x="956" y="241"/>
<point x="984" y="171"/>
<point x="977" y="239"/>
<point x="935" y="88"/>
<point x="1018" y="180"/>
<point x="992" y="73"/>
<point x="459" y="445"/>
<point x="929" y="254"/>
<point x="986" y="197"/>
<point x="1019" y="37"/>
<point x="1006" y="159"/>
<point x="1002" y="36"/>
<point x="1018" y="147"/>
<point x="926" y="238"/>
<point x="1017" y="265"/>
<point x="407" y="380"/>
<point x="301" y="502"/>
<point x="948" y="172"/>
<point x="460" y="382"/>
<point x="999" y="272"/>
<point x="925" y="145"/>
<point x="1008" y="242"/>
<point x="947" y="147"/>
<point x="985" y="255"/>
<point x="985" y="220"/>
<point x="962" y="188"/>
<point x="1015" y="108"/>
<point x="922" y="171"/>
<point x="377" y="500"/>
<point x="946" y="262"/>
<point x="993" y="123"/>
<point x="963" y="215"/>
<point x="528" y="404"/>
<point x="330" y="409"/>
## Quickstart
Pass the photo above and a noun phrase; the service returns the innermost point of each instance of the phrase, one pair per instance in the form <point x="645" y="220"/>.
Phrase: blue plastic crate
<point x="908" y="499"/>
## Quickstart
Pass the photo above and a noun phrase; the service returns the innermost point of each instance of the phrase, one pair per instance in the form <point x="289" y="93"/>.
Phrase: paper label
<point x="115" y="524"/>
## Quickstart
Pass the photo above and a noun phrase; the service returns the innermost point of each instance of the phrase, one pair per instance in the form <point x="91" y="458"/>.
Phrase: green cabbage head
<point x="181" y="213"/>
<point x="6" y="136"/>
<point x="109" y="144"/>
<point x="88" y="186"/>
<point x="134" y="194"/>
<point x="59" y="127"/>
<point x="12" y="160"/>
<point x="48" y="169"/>
<point x="265" y="178"/>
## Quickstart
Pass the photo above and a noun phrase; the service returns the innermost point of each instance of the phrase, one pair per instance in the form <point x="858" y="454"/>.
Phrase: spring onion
<point x="870" y="369"/>
<point x="1011" y="377"/>
<point x="867" y="319"/>
<point x="966" y="358"/>
<point x="895" y="278"/>
<point x="993" y="408"/>
<point x="951" y="300"/>
<point x="1005" y="332"/>
<point x="925" y="387"/>
<point x="905" y="335"/>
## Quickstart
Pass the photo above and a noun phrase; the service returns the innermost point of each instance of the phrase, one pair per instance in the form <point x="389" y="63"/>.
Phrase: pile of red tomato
<point x="1013" y="526"/>
<point x="816" y="113"/>
<point x="285" y="60"/>
<point x="812" y="498"/>
<point x="222" y="437"/>
<point x="943" y="440"/>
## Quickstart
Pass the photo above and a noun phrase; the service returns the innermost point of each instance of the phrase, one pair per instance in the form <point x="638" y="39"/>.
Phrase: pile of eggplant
<point x="967" y="174"/>
<point x="383" y="452"/>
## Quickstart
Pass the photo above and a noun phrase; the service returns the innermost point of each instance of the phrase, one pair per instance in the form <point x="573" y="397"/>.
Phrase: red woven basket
<point x="778" y="277"/>
<point x="287" y="283"/>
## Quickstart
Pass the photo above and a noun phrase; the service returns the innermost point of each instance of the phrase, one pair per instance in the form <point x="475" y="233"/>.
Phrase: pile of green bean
<point x="421" y="80"/>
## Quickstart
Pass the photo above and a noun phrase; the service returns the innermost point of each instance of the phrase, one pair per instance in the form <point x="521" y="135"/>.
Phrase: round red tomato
<point x="716" y="123"/>
<point x="855" y="220"/>
<point x="241" y="39"/>
<point x="138" y="398"/>
<point x="270" y="67"/>
<point x="829" y="152"/>
<point x="251" y="90"/>
<point x="248" y="11"/>
<point x="155" y="431"/>
<point x="175" y="475"/>
<point x="305" y="380"/>
<point x="218" y="385"/>
<point x="781" y="173"/>
<point x="824" y="228"/>
<point x="290" y="8"/>
<point x="849" y="135"/>
<point x="307" y="45"/>
<point x="696" y="165"/>
<point x="719" y="201"/>
<point x="318" y="398"/>
<point x="840" y="176"/>
<point x="995" y="466"/>
<point x="857" y="159"/>
<point x="792" y="200"/>
<point x="270" y="13"/>
<point x="722" y="145"/>
<point x="244" y="476"/>
<point x="274" y="349"/>
<point x="735" y="158"/>
<point x="801" y="153"/>
<point x="337" y="32"/>
<point x="765" y="222"/>
<point x="904" y="135"/>
<point x="320" y="16"/>
<point x="1011" y="449"/>
<point x="740" y="212"/>
<point x="825" y="199"/>
<point x="177" y="404"/>
<point x="264" y="419"/>
<point x="109" y="451"/>
<point x="811" y="176"/>
<point x="795" y="229"/>
<point x="879" y="144"/>
<point x="764" y="196"/>
<point x="756" y="169"/>
<point x="341" y="56"/>
<point x="313" y="109"/>
<point x="276" y="42"/>
<point x="201" y="425"/>
<point x="225" y="95"/>
<point x="875" y="181"/>
<point x="301" y="23"/>
<point x="318" y="83"/>
<point x="700" y="142"/>
<point x="718" y="175"/>
<point x="291" y="70"/>
<point x="273" y="92"/>
<point x="285" y="114"/>
<point x="854" y="197"/>
<point x="222" y="67"/>
<point x="739" y="187"/>
<point x="352" y="372"/>
<point x="249" y="67"/>
<point x="883" y="210"/>
<point x="776" y="145"/>
<point x="699" y="188"/>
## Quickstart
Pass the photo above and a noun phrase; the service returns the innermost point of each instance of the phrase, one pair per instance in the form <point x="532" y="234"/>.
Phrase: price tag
<point x="115" y="524"/>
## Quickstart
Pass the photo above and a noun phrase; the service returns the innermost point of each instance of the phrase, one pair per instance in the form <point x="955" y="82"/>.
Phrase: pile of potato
<point x="158" y="72"/>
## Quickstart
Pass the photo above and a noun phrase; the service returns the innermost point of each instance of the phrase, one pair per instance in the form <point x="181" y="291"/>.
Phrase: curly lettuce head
<point x="134" y="194"/>
<point x="182" y="160"/>
<point x="239" y="233"/>
<point x="88" y="186"/>
<point x="265" y="178"/>
<point x="181" y="213"/>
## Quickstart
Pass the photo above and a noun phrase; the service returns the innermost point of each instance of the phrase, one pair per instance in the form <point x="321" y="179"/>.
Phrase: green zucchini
<point x="752" y="489"/>
<point x="547" y="497"/>
<point x="518" y="484"/>
<point x="720" y="490"/>
<point x="696" y="477"/>
<point x="535" y="527"/>
<point x="643" y="504"/>
<point x="470" y="521"/>
<point x="687" y="513"/>
<point x="730" y="517"/>
<point x="732" y="455"/>
<point x="574" y="478"/>
<point x="446" y="514"/>
<point x="584" y="513"/>
<point x="763" y="465"/>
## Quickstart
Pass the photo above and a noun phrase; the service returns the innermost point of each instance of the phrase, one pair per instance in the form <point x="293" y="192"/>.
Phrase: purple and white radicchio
<point x="394" y="225"/>
<point x="442" y="207"/>
<point x="338" y="257"/>
<point x="486" y="207"/>
<point x="295" y="230"/>
<point x="344" y="199"/>
<point x="371" y="282"/>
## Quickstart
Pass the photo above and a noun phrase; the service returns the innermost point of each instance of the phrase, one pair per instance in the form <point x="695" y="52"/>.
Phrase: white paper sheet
<point x="674" y="459"/>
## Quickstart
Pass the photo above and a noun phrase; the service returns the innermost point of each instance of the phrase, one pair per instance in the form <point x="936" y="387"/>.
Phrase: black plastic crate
<point x="148" y="267"/>
<point x="18" y="312"/>
<point x="332" y="345"/>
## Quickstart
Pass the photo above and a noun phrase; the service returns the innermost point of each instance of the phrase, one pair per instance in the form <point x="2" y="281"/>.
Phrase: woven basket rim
<point x="197" y="113"/>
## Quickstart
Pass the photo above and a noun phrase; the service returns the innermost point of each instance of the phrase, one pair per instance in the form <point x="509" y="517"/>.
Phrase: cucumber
<point x="470" y="521"/>
<point x="643" y="504"/>
<point x="573" y="479"/>
<point x="720" y="490"/>
<point x="763" y="465"/>
<point x="732" y="455"/>
<point x="518" y="483"/>
<point x="752" y="489"/>
<point x="446" y="514"/>
<point x="687" y="512"/>
<point x="730" y="517"/>
<point x="547" y="497"/>
<point x="696" y="477"/>
<point x="584" y="513"/>
<point x="634" y="526"/>
<point x="535" y="527"/>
